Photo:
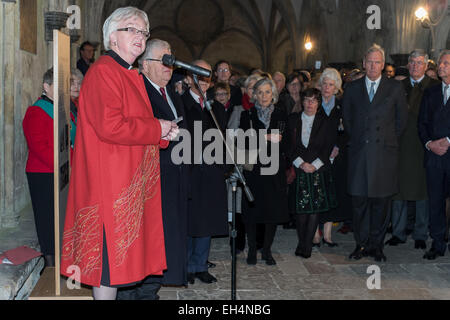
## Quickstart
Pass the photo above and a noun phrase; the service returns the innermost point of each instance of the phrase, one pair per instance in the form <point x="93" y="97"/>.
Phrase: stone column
<point x="9" y="37"/>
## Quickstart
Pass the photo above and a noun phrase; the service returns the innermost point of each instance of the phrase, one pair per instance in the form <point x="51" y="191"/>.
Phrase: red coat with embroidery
<point x="115" y="180"/>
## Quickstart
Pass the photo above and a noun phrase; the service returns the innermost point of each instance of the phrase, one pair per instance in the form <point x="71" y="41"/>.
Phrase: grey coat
<point x="374" y="129"/>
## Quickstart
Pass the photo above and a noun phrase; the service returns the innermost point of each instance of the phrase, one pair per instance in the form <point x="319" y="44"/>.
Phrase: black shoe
<point x="432" y="254"/>
<point x="210" y="264"/>
<point x="329" y="244"/>
<point x="358" y="253"/>
<point x="270" y="261"/>
<point x="251" y="257"/>
<point x="420" y="244"/>
<point x="191" y="278"/>
<point x="316" y="245"/>
<point x="379" y="255"/>
<point x="394" y="241"/>
<point x="302" y="254"/>
<point x="205" y="277"/>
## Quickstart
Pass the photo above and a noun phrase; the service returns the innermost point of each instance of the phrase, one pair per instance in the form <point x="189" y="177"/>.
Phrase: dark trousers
<point x="269" y="235"/>
<point x="198" y="253"/>
<point x="42" y="199"/>
<point x="143" y="291"/>
<point x="438" y="182"/>
<point x="370" y="220"/>
<point x="306" y="228"/>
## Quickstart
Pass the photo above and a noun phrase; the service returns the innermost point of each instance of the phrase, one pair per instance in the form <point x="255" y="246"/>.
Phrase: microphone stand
<point x="234" y="178"/>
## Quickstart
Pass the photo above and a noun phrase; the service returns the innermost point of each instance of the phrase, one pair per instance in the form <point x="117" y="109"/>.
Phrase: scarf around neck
<point x="265" y="114"/>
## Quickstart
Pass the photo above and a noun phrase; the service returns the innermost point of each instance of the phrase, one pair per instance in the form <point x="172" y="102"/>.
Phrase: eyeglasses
<point x="151" y="59"/>
<point x="222" y="70"/>
<point x="221" y="94"/>
<point x="133" y="30"/>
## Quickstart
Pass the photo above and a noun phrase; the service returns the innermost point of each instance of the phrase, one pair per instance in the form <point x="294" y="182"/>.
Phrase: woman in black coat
<point x="314" y="136"/>
<point x="270" y="205"/>
<point x="330" y="84"/>
<point x="290" y="98"/>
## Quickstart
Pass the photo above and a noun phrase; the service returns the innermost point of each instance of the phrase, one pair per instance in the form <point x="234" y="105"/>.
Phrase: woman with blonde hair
<point x="330" y="86"/>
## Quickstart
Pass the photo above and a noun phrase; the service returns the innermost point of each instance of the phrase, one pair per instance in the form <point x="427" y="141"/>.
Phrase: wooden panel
<point x="28" y="25"/>
<point x="61" y="123"/>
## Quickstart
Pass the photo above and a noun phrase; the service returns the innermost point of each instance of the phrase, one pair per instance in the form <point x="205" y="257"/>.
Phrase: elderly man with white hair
<point x="412" y="176"/>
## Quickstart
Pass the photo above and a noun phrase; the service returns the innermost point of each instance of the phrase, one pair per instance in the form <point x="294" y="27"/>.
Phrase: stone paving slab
<point x="327" y="275"/>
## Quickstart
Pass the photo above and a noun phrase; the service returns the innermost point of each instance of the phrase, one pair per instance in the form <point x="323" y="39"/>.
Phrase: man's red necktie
<point x="163" y="92"/>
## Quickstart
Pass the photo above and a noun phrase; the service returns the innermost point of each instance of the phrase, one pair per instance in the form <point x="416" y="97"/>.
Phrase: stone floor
<point x="327" y="275"/>
<point x="17" y="282"/>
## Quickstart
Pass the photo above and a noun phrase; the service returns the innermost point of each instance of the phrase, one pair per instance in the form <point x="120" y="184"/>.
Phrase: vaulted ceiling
<point x="270" y="34"/>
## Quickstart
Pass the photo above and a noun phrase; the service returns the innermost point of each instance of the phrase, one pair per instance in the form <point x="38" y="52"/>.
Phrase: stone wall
<point x="21" y="77"/>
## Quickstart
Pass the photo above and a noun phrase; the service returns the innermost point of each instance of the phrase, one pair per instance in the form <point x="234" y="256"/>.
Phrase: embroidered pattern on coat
<point x="82" y="243"/>
<point x="128" y="210"/>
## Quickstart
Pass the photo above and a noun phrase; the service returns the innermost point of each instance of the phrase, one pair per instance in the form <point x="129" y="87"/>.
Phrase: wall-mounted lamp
<point x="421" y="14"/>
<point x="308" y="46"/>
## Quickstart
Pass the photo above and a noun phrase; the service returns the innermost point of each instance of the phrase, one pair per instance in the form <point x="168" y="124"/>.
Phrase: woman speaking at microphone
<point x="113" y="230"/>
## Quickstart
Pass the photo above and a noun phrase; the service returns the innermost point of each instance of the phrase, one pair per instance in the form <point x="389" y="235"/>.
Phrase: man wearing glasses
<point x="411" y="170"/>
<point x="167" y="105"/>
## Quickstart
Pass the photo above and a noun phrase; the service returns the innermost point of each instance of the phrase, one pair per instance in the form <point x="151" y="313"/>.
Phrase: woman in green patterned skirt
<point x="314" y="136"/>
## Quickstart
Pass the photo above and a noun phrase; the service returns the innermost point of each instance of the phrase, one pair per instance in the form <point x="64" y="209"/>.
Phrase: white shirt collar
<point x="195" y="96"/>
<point x="154" y="84"/>
<point x="369" y="82"/>
<point x="418" y="81"/>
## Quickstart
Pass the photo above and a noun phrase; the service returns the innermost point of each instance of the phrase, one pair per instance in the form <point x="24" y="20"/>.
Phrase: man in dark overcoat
<point x="167" y="105"/>
<point x="412" y="176"/>
<point x="207" y="206"/>
<point x="434" y="131"/>
<point x="375" y="115"/>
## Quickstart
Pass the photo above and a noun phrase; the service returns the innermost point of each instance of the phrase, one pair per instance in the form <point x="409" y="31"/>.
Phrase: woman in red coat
<point x="38" y="130"/>
<point x="113" y="230"/>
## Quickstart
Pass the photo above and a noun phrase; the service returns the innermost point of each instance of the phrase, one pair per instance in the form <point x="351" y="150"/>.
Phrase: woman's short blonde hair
<point x="118" y="16"/>
<point x="333" y="75"/>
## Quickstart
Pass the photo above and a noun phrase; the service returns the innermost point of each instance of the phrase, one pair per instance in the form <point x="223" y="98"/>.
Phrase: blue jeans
<point x="198" y="252"/>
<point x="400" y="219"/>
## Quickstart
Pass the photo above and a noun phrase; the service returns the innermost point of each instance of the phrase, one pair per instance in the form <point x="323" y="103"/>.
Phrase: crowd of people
<point x="359" y="147"/>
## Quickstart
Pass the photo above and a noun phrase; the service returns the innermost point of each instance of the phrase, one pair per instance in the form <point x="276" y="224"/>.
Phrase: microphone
<point x="169" y="60"/>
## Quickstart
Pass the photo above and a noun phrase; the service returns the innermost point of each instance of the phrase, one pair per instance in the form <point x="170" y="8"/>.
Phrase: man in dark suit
<point x="207" y="207"/>
<point x="434" y="131"/>
<point x="412" y="176"/>
<point x="375" y="114"/>
<point x="87" y="52"/>
<point x="167" y="105"/>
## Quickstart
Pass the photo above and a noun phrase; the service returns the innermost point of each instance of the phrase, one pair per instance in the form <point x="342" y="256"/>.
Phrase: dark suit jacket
<point x="412" y="177"/>
<point x="434" y="124"/>
<point x="207" y="208"/>
<point x="374" y="129"/>
<point x="174" y="194"/>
